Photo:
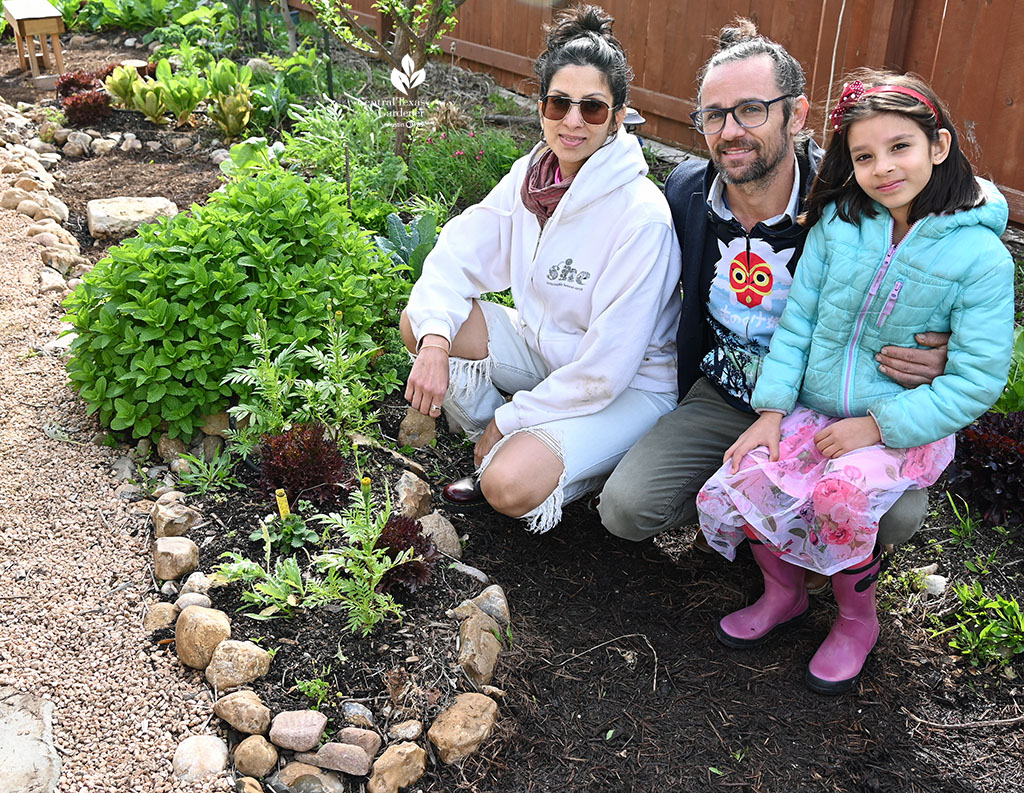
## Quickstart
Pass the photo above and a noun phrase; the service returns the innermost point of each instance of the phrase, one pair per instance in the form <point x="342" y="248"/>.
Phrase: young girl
<point x="905" y="240"/>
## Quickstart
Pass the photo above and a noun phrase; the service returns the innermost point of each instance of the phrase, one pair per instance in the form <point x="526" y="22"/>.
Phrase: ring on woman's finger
<point x="435" y="407"/>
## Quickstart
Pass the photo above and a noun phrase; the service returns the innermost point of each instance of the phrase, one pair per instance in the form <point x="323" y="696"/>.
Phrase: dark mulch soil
<point x="613" y="678"/>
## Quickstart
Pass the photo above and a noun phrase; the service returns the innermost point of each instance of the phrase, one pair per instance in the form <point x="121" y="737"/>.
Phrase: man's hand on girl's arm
<point x="911" y="367"/>
<point x="763" y="432"/>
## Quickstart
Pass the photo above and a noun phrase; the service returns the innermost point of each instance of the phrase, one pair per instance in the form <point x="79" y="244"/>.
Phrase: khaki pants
<point x="654" y="487"/>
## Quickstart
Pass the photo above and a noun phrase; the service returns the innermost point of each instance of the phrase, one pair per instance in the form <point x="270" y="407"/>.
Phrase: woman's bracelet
<point x="438" y="346"/>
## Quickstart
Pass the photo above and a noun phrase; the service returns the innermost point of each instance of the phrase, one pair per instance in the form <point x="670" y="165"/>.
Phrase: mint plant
<point x="160" y="319"/>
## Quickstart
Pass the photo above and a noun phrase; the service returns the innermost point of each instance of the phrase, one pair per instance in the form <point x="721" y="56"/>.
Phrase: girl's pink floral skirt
<point x="817" y="513"/>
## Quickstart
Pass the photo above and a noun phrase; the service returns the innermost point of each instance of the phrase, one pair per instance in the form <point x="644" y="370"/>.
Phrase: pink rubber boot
<point x="783" y="604"/>
<point x="837" y="664"/>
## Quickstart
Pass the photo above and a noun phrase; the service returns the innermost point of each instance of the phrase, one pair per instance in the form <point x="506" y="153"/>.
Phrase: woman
<point x="586" y="244"/>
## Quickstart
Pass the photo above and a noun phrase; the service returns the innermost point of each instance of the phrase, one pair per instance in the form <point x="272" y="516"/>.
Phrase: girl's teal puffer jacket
<point x="852" y="295"/>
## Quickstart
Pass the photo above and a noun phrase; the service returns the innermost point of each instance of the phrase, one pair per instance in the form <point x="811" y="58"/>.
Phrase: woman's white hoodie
<point x="597" y="292"/>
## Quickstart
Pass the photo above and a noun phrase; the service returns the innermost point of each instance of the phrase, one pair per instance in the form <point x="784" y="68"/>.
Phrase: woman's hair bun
<point x="580" y="20"/>
<point x="739" y="31"/>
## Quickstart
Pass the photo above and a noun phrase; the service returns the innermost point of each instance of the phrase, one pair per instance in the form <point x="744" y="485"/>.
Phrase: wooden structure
<point x="29" y="19"/>
<point x="971" y="51"/>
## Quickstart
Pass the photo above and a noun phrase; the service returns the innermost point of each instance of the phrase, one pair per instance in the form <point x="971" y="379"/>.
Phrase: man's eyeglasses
<point x="711" y="120"/>
<point x="555" y="108"/>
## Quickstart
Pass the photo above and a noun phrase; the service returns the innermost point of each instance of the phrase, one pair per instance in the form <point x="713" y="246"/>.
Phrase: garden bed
<point x="613" y="680"/>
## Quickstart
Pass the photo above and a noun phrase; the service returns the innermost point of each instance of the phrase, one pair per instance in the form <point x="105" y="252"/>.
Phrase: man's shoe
<point x="464" y="495"/>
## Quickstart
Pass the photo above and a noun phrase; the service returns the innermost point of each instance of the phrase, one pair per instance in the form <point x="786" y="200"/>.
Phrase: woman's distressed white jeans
<point x="588" y="446"/>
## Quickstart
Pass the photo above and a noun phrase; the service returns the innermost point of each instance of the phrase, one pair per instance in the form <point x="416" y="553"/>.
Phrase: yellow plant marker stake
<point x="282" y="503"/>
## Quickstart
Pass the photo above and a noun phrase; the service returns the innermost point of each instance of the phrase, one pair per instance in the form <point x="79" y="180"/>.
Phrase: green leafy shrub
<point x="986" y="630"/>
<point x="986" y="470"/>
<point x="121" y="85"/>
<point x="148" y="99"/>
<point x="305" y="463"/>
<point x="275" y="592"/>
<point x="160" y="319"/>
<point x="459" y="162"/>
<point x="206" y="477"/>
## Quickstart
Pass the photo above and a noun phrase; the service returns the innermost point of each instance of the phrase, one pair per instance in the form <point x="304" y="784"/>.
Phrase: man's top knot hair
<point x="582" y="36"/>
<point x="741" y="30"/>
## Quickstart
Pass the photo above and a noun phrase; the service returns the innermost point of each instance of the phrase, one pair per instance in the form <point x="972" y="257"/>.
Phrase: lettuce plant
<point x="121" y="85"/>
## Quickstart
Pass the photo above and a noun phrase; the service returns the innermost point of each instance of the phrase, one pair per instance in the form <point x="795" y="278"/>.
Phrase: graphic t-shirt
<point x="753" y="273"/>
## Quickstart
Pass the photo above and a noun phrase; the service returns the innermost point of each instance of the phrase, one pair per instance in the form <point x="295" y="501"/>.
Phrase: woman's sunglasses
<point x="555" y="108"/>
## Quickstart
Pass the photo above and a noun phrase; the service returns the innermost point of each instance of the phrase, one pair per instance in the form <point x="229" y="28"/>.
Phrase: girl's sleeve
<point x="980" y="348"/>
<point x="472" y="256"/>
<point x="638" y="285"/>
<point x="783" y="369"/>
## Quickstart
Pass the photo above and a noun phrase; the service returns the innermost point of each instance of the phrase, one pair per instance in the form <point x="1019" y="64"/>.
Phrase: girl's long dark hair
<point x="952" y="186"/>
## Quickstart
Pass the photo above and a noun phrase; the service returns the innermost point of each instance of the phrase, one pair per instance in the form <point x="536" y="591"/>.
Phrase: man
<point x="736" y="218"/>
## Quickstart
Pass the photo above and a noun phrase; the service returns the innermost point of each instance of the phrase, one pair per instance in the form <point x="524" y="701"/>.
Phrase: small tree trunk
<point x="290" y="25"/>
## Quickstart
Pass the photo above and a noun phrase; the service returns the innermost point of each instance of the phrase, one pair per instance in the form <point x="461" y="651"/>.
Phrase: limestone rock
<point x="413" y="496"/>
<point x="211" y="447"/>
<point x="61" y="261"/>
<point x="236" y="663"/>
<point x="101" y="147"/>
<point x="357" y="714"/>
<point x="124" y="214"/>
<point x="187" y="599"/>
<point x="416" y="430"/>
<point x="246" y="784"/>
<point x="28" y="757"/>
<point x="200" y="756"/>
<point x="458" y="731"/>
<point x="83" y="139"/>
<point x="28" y="207"/>
<point x="217" y="156"/>
<point x="244" y="711"/>
<point x="218" y="424"/>
<point x="255" y="756"/>
<point x="197" y="633"/>
<point x="50" y="281"/>
<point x="439" y="529"/>
<point x="293" y="772"/>
<point x="197" y="582"/>
<point x="493" y="603"/>
<point x="174" y="519"/>
<point x="130" y="144"/>
<point x="298" y="730"/>
<point x="367" y="740"/>
<point x="61" y="135"/>
<point x="468" y="570"/>
<point x="174" y="557"/>
<point x="54" y="208"/>
<point x="160" y="615"/>
<point x="407" y="730"/>
<point x="74" y="149"/>
<point x="401" y="765"/>
<point x="345" y="757"/>
<point x="169" y="448"/>
<point x="11" y="198"/>
<point x="478" y="647"/>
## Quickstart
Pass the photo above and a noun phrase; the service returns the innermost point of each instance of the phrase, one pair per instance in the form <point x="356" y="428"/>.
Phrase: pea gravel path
<point x="74" y="567"/>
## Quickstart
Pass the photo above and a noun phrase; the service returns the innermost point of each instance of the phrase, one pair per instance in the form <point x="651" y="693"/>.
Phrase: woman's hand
<point x="846" y="435"/>
<point x="763" y="432"/>
<point x="486" y="442"/>
<point x="428" y="380"/>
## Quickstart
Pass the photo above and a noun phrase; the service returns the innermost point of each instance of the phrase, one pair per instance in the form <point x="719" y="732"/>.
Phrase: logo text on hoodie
<point x="564" y="274"/>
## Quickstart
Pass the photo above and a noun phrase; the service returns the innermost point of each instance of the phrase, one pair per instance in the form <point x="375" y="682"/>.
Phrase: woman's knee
<point x="521" y="476"/>
<point x="509" y="494"/>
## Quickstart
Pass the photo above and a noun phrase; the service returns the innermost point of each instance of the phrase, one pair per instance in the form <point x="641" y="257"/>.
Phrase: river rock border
<point x="284" y="748"/>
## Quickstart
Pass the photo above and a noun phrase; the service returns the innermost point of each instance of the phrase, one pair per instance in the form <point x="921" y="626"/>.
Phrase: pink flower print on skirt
<point x="818" y="513"/>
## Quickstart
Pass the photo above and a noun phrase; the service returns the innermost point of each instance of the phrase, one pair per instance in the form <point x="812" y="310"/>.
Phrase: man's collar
<point x="719" y="205"/>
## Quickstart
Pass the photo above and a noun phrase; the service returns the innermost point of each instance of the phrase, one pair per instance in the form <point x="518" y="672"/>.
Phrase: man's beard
<point x="759" y="169"/>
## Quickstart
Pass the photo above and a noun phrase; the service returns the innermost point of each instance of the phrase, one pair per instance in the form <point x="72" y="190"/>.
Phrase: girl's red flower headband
<point x="855" y="91"/>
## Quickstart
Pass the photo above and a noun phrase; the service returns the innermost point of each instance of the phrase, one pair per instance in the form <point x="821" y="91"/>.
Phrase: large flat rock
<point x="116" y="217"/>
<point x="28" y="759"/>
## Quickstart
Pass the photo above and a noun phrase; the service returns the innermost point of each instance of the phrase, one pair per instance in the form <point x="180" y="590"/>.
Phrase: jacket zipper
<point x="851" y="352"/>
<point x="890" y="303"/>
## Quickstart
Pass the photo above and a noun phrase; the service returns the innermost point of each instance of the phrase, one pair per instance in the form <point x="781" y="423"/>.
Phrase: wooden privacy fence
<point x="971" y="51"/>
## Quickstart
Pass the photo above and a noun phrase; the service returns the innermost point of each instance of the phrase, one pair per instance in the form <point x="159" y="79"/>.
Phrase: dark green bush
<point x="160" y="320"/>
